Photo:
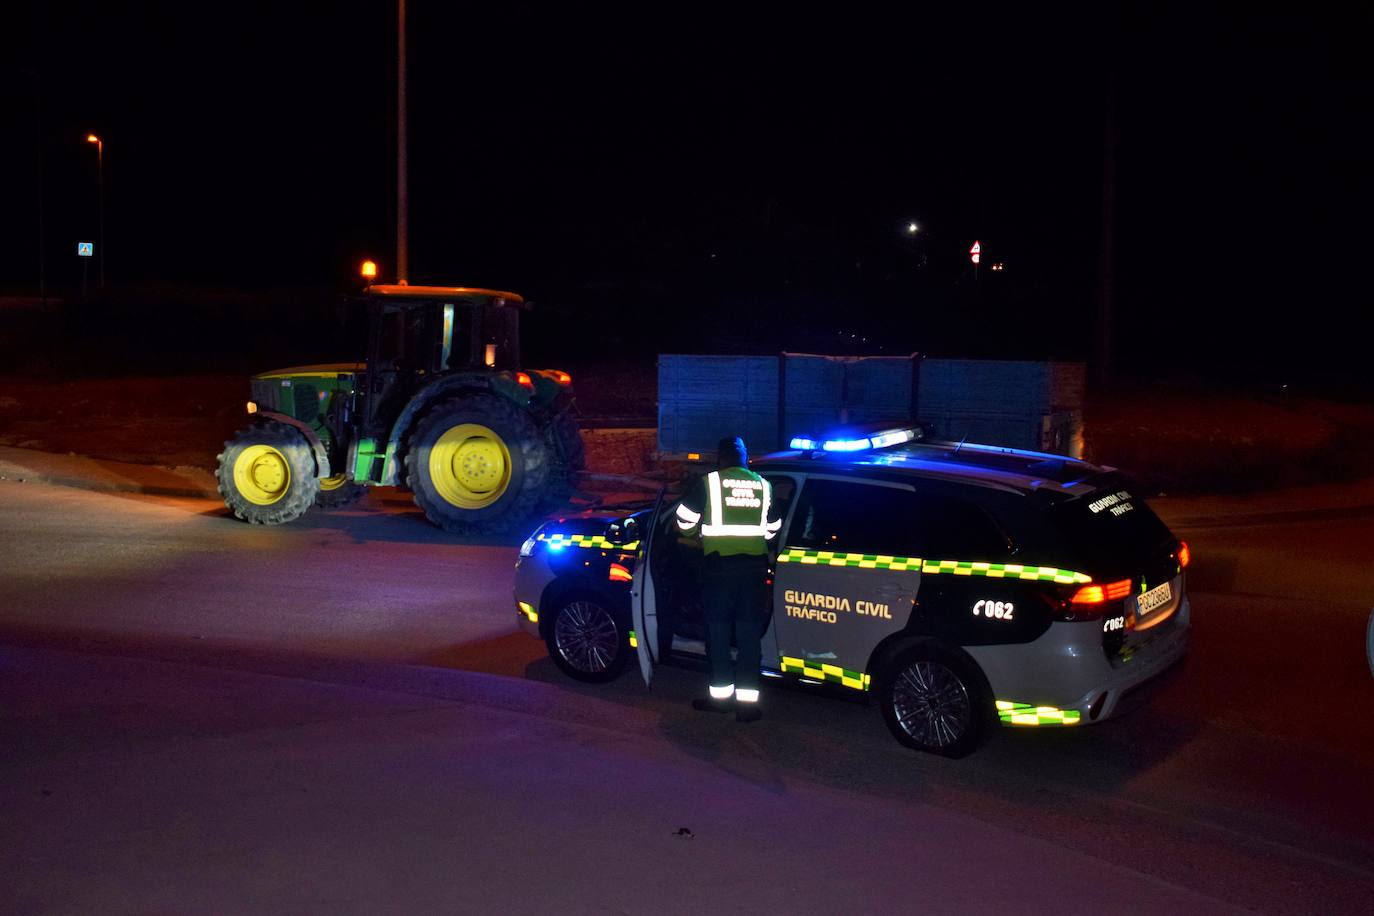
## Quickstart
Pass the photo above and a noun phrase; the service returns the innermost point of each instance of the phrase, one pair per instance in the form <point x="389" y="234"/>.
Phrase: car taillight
<point x="1088" y="602"/>
<point x="1097" y="594"/>
<point x="561" y="377"/>
<point x="1183" y="555"/>
<point x="524" y="381"/>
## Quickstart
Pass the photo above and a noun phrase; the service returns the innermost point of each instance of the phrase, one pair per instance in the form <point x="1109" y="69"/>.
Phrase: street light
<point x="100" y="193"/>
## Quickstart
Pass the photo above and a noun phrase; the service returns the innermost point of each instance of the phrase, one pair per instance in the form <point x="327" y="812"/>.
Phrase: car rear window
<point x="1110" y="529"/>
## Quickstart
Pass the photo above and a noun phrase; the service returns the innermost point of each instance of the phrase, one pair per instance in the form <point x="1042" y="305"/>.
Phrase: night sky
<point x="677" y="165"/>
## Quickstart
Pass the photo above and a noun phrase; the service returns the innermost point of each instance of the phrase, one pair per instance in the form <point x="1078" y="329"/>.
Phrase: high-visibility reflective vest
<point x="734" y="517"/>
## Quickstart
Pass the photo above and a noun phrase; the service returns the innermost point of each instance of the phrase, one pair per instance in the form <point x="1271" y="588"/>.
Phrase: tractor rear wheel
<point x="478" y="464"/>
<point x="267" y="474"/>
<point x="338" y="491"/>
<point x="571" y="456"/>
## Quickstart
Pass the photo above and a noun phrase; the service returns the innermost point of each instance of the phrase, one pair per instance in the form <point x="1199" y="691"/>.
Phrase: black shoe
<point x="711" y="704"/>
<point x="748" y="712"/>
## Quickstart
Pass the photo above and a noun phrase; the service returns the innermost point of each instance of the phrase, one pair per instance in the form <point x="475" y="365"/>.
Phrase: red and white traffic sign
<point x="976" y="252"/>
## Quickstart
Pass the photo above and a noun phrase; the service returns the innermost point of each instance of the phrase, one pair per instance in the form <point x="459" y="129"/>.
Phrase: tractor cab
<point x="418" y="332"/>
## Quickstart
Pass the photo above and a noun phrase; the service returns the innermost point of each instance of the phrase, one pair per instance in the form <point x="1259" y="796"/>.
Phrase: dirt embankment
<point x="184" y="420"/>
<point x="1182" y="439"/>
<point x="1174" y="438"/>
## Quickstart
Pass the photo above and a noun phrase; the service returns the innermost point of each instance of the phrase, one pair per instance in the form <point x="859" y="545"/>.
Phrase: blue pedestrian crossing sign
<point x="85" y="249"/>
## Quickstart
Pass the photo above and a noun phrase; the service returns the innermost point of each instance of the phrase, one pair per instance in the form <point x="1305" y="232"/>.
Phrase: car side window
<point x="854" y="517"/>
<point x="948" y="528"/>
<point x="784" y="488"/>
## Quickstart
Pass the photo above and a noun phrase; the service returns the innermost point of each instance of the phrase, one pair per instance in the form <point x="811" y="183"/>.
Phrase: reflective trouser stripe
<point x="723" y="693"/>
<point x="745" y="695"/>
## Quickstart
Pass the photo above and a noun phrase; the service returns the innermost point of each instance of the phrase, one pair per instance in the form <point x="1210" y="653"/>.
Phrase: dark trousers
<point x="733" y="591"/>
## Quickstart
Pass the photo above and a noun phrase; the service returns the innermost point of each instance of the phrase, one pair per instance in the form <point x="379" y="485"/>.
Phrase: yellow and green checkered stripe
<point x="932" y="567"/>
<point x="586" y="540"/>
<point x="1005" y="571"/>
<point x="1025" y="714"/>
<point x="858" y="560"/>
<point x="833" y="674"/>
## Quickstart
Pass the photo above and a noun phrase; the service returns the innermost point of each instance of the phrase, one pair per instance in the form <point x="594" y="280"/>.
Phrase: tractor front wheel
<point x="477" y="464"/>
<point x="338" y="491"/>
<point x="267" y="474"/>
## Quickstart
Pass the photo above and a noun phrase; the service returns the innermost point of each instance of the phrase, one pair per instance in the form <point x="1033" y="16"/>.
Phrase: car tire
<point x="266" y="474"/>
<point x="936" y="700"/>
<point x="587" y="640"/>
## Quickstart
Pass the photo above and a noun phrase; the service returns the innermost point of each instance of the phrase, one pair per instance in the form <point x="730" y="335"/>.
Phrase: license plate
<point x="1156" y="597"/>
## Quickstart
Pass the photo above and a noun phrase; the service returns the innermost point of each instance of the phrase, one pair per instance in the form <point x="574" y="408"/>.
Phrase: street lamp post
<point x="100" y="194"/>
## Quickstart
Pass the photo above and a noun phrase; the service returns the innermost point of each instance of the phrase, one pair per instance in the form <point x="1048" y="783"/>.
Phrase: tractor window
<point x="460" y="346"/>
<point x="502" y="337"/>
<point x="407" y="338"/>
<point x="391" y="342"/>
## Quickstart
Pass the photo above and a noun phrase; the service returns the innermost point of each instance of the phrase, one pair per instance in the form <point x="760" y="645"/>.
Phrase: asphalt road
<point x="1244" y="781"/>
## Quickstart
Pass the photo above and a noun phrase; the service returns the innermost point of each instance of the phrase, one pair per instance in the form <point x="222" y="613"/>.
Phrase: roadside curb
<point x="80" y="472"/>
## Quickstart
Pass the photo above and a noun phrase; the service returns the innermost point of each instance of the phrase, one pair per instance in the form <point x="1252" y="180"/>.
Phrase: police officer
<point x="732" y="510"/>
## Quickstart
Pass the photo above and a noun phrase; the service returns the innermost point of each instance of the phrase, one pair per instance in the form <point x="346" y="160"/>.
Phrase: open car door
<point x="643" y="599"/>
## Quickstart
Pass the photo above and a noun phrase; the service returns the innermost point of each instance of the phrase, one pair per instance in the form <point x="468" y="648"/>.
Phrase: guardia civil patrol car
<point x="958" y="585"/>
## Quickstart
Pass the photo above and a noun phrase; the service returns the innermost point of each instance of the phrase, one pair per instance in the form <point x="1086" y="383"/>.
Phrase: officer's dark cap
<point x="731" y="453"/>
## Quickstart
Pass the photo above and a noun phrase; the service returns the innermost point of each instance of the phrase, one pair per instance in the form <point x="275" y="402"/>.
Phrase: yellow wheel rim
<point x="333" y="483"/>
<point x="262" y="474"/>
<point x="470" y="466"/>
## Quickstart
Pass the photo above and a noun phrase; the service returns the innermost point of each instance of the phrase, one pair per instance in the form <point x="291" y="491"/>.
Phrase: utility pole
<point x="402" y="201"/>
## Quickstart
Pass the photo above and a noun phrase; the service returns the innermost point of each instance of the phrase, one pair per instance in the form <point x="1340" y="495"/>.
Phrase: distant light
<point x="369" y="270"/>
<point x="252" y="407"/>
<point x="92" y="138"/>
<point x="912" y="228"/>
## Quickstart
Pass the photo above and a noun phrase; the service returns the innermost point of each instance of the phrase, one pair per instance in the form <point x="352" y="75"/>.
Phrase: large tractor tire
<point x="267" y="474"/>
<point x="478" y="464"/>
<point x="565" y="438"/>
<point x="338" y="492"/>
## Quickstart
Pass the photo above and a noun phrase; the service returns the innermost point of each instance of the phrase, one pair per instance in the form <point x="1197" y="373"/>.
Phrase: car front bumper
<point x="532" y="578"/>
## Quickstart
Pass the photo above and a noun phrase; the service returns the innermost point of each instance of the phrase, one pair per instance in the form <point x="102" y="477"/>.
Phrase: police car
<point x="959" y="585"/>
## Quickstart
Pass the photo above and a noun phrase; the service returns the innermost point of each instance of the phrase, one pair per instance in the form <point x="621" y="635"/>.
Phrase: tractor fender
<point x="441" y="387"/>
<point x="322" y="468"/>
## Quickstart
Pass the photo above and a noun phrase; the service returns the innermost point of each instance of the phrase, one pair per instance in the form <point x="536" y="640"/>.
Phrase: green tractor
<point x="440" y="408"/>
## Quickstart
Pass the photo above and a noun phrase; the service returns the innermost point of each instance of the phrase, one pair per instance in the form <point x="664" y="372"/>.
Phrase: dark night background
<point x="645" y="175"/>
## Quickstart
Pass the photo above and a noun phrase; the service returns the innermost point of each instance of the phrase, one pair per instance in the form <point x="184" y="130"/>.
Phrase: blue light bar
<point x="847" y="445"/>
<point x="893" y="437"/>
<point x="883" y="439"/>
